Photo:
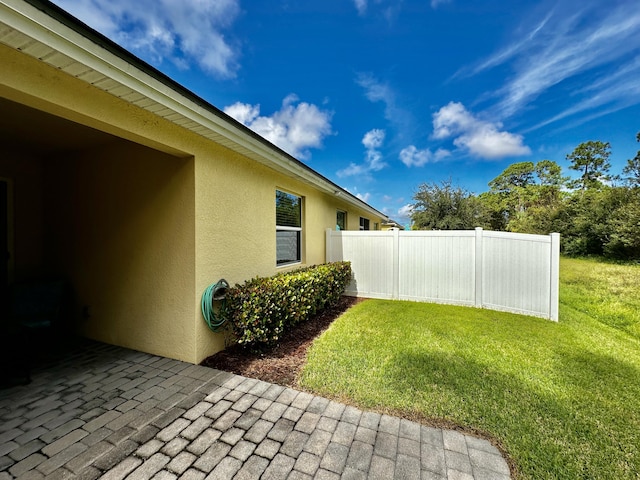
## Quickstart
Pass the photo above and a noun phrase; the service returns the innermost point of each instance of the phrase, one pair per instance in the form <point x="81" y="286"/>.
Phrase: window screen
<point x="288" y="228"/>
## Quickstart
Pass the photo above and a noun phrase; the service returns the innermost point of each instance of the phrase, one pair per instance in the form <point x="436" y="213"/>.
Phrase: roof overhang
<point x="44" y="31"/>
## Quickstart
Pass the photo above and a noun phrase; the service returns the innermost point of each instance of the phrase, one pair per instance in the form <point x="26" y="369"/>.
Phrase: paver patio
<point x="108" y="412"/>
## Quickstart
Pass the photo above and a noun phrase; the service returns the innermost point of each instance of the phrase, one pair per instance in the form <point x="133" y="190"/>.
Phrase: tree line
<point x="597" y="213"/>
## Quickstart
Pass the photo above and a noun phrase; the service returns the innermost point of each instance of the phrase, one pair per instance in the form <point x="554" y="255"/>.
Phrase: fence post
<point x="555" y="277"/>
<point x="328" y="257"/>
<point x="396" y="264"/>
<point x="479" y="265"/>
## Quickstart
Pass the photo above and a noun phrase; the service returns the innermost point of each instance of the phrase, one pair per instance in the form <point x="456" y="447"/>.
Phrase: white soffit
<point x="35" y="33"/>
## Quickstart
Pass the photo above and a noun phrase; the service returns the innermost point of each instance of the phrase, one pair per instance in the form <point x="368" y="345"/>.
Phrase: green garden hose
<point x="215" y="292"/>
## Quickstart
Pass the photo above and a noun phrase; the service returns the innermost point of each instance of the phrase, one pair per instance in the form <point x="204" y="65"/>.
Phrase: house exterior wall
<point x="144" y="224"/>
<point x="118" y="220"/>
<point x="236" y="225"/>
<point x="120" y="225"/>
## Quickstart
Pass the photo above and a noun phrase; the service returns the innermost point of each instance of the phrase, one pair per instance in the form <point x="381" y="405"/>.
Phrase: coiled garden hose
<point x="215" y="292"/>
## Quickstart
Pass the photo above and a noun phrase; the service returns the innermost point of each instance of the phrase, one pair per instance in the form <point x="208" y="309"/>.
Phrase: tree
<point x="508" y="191"/>
<point x="596" y="218"/>
<point x="592" y="160"/>
<point x="548" y="191"/>
<point x="496" y="206"/>
<point x="632" y="169"/>
<point x="525" y="197"/>
<point x="549" y="174"/>
<point x="623" y="239"/>
<point x="516" y="175"/>
<point x="601" y="221"/>
<point x="445" y="206"/>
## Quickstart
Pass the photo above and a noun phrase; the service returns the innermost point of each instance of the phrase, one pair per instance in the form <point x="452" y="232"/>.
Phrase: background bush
<point x="596" y="213"/>
<point x="262" y="309"/>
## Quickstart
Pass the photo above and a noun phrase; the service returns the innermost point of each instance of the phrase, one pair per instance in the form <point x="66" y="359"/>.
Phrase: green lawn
<point x="562" y="399"/>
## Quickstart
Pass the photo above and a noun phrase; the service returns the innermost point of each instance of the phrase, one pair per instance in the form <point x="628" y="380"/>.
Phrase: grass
<point x="562" y="399"/>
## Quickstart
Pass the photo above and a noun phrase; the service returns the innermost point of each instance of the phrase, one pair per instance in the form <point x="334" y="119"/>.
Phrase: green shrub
<point x="262" y="309"/>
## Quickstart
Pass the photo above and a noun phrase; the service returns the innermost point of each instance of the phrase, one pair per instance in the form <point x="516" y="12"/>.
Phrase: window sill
<point x="289" y="264"/>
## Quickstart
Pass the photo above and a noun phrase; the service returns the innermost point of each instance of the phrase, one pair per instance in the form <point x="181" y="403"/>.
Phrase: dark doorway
<point x="5" y="255"/>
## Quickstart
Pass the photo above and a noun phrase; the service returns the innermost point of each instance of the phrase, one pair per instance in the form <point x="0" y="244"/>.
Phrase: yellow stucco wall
<point x="120" y="225"/>
<point x="236" y="229"/>
<point x="143" y="233"/>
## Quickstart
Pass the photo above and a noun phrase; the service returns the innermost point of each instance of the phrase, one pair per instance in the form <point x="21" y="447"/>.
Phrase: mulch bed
<point x="282" y="363"/>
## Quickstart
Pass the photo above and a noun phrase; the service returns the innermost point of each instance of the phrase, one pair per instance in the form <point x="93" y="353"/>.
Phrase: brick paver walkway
<point x="112" y="413"/>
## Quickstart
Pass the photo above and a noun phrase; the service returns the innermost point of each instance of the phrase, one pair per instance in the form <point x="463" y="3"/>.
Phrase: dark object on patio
<point x="38" y="304"/>
<point x="32" y="321"/>
<point x="14" y="356"/>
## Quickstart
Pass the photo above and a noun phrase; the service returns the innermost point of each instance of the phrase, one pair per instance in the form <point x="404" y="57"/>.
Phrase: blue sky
<point x="383" y="95"/>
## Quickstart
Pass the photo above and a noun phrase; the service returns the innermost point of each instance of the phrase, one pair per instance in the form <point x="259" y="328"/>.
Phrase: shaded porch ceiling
<point x="38" y="132"/>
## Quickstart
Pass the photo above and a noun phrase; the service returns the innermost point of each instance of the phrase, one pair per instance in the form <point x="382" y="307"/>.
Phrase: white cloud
<point x="377" y="91"/>
<point x="372" y="141"/>
<point x="611" y="92"/>
<point x="403" y="215"/>
<point x="184" y="32"/>
<point x="387" y="9"/>
<point x="508" y="53"/>
<point x="479" y="137"/>
<point x="353" y="170"/>
<point x="364" y="196"/>
<point x="243" y="112"/>
<point x="374" y="160"/>
<point x="571" y="44"/>
<point x="295" y="128"/>
<point x="436" y="3"/>
<point x="487" y="142"/>
<point x="361" y="6"/>
<point x="406" y="210"/>
<point x="451" y="120"/>
<point x="413" y="157"/>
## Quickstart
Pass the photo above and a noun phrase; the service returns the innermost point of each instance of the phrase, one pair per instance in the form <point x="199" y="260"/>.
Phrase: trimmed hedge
<point x="262" y="309"/>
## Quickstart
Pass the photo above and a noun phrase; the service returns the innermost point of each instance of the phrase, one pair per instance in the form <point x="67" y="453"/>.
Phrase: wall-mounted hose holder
<point x="216" y="292"/>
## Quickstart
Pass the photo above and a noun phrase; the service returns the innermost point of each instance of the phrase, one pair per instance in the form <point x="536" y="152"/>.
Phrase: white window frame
<point x="284" y="228"/>
<point x="345" y="219"/>
<point x="364" y="223"/>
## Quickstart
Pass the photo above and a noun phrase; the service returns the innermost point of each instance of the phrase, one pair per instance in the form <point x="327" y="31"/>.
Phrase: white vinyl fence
<point x="511" y="272"/>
